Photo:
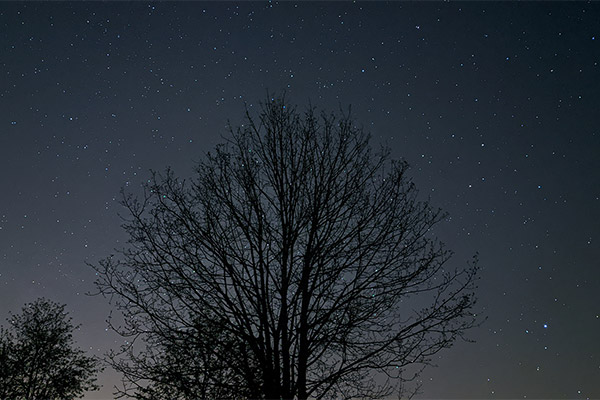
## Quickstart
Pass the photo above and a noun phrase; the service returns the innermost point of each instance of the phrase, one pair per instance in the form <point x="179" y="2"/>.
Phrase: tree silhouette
<point x="297" y="263"/>
<point x="37" y="358"/>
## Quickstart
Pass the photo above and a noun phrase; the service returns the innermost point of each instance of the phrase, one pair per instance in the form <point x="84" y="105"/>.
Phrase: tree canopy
<point x="298" y="262"/>
<point x="37" y="357"/>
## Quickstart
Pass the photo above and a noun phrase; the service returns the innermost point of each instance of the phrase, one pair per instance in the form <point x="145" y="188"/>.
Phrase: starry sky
<point x="494" y="104"/>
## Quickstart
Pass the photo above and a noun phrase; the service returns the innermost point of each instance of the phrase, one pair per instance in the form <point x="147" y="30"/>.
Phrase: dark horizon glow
<point x="494" y="105"/>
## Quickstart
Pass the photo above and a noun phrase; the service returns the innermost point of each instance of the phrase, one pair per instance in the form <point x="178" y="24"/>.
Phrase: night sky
<point x="495" y="105"/>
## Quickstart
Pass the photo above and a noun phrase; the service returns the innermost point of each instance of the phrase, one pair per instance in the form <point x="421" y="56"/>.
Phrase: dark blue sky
<point x="495" y="106"/>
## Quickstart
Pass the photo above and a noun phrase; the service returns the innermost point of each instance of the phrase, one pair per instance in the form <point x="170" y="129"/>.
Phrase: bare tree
<point x="297" y="263"/>
<point x="37" y="358"/>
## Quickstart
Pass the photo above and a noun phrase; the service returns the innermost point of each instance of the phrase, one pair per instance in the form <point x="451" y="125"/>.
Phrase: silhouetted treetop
<point x="38" y="359"/>
<point x="298" y="262"/>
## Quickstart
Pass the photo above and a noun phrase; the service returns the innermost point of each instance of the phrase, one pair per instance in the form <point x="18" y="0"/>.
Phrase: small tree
<point x="37" y="358"/>
<point x="298" y="263"/>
